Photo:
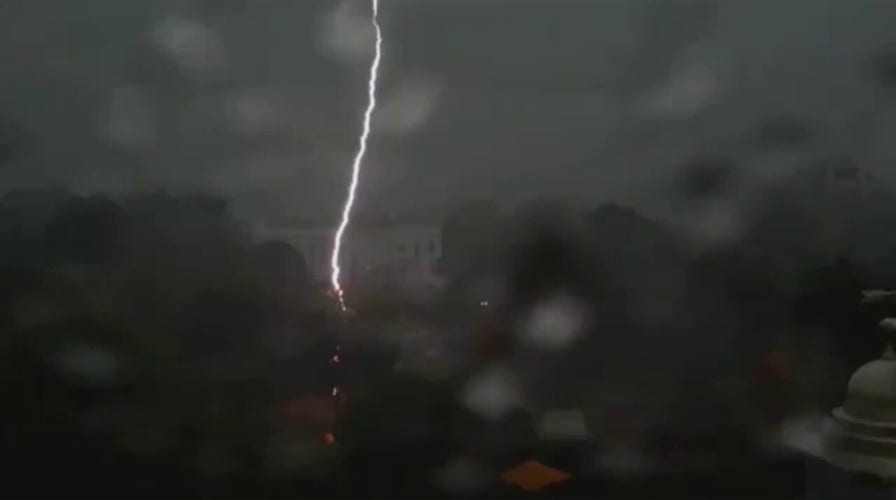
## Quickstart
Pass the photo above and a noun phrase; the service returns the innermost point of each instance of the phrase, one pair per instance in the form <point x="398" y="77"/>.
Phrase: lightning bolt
<point x="359" y="158"/>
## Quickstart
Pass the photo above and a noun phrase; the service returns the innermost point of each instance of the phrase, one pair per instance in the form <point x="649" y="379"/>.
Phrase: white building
<point x="370" y="255"/>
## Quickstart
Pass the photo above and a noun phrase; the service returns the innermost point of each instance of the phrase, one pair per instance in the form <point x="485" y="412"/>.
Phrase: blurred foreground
<point x="150" y="346"/>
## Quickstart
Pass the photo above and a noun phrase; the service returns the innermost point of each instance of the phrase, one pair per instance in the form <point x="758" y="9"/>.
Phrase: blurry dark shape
<point x="885" y="68"/>
<point x="47" y="199"/>
<point x="319" y="409"/>
<point x="220" y="334"/>
<point x="564" y="425"/>
<point x="880" y="306"/>
<point x="706" y="177"/>
<point x="533" y="475"/>
<point x="12" y="140"/>
<point x="634" y="262"/>
<point x="550" y="254"/>
<point x="785" y="238"/>
<point x="544" y="262"/>
<point x="217" y="10"/>
<point x="160" y="224"/>
<point x="830" y="296"/>
<point x="397" y="421"/>
<point x="462" y="475"/>
<point x="520" y="431"/>
<point x="845" y="172"/>
<point x="776" y="381"/>
<point x="24" y="215"/>
<point x="16" y="283"/>
<point x="282" y="270"/>
<point x="7" y="149"/>
<point x="149" y="323"/>
<point x="467" y="233"/>
<point x="89" y="364"/>
<point x="619" y="226"/>
<point x="835" y="174"/>
<point x="474" y="242"/>
<point x="699" y="432"/>
<point x="86" y="231"/>
<point x="785" y="131"/>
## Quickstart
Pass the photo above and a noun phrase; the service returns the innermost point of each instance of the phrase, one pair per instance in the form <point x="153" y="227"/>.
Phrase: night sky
<point x="260" y="100"/>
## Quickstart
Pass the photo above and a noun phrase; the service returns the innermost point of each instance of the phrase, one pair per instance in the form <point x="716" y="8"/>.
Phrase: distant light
<point x="492" y="393"/>
<point x="335" y="359"/>
<point x="483" y="303"/>
<point x="335" y="391"/>
<point x="555" y="322"/>
<point x="329" y="438"/>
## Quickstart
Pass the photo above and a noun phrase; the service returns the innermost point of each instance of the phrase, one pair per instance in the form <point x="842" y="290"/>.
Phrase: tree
<point x="281" y="270"/>
<point x="86" y="231"/>
<point x="169" y="295"/>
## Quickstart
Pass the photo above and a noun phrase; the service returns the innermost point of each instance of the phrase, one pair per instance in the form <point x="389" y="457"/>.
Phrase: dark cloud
<point x="582" y="99"/>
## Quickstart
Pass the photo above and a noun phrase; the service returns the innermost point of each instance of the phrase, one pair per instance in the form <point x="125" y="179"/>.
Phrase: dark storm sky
<point x="261" y="99"/>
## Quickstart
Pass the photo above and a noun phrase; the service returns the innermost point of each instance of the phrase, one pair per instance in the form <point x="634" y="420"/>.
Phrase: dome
<point x="871" y="393"/>
<point x="862" y="433"/>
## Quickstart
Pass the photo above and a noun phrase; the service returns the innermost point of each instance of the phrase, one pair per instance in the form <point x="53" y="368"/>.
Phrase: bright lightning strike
<point x="359" y="157"/>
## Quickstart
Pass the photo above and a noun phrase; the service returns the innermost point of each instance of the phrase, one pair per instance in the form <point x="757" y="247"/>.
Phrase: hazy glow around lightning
<point x="359" y="157"/>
